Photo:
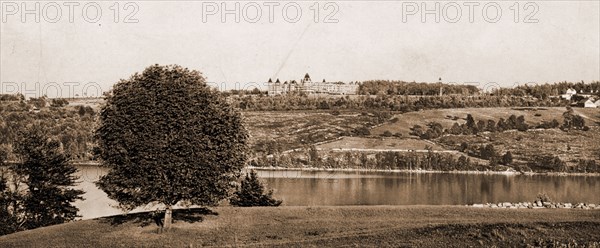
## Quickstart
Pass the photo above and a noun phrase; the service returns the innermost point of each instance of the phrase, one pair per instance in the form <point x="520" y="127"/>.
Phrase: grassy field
<point x="372" y="226"/>
<point x="446" y="117"/>
<point x="380" y="143"/>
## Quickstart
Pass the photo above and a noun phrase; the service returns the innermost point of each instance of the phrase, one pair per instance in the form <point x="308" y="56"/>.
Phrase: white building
<point x="589" y="103"/>
<point x="309" y="87"/>
<point x="570" y="93"/>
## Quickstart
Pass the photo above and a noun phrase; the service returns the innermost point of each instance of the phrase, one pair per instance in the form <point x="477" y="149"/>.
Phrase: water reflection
<point x="385" y="188"/>
<point x="310" y="188"/>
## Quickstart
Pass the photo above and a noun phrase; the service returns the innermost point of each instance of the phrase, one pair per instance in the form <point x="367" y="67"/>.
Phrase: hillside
<point x="447" y="117"/>
<point x="331" y="227"/>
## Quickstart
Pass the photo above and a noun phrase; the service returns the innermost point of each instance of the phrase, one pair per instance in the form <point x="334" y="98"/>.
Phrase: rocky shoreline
<point x="487" y="172"/>
<point x="538" y="205"/>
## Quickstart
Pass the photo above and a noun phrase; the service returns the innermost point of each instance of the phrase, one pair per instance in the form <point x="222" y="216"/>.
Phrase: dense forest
<point x="72" y="126"/>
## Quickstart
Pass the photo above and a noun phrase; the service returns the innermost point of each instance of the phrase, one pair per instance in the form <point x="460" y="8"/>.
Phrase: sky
<point x="82" y="51"/>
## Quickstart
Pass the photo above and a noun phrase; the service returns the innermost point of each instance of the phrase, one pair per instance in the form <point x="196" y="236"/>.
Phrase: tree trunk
<point x="168" y="218"/>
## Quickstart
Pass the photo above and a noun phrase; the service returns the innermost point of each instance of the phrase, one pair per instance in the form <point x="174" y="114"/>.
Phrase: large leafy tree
<point x="169" y="138"/>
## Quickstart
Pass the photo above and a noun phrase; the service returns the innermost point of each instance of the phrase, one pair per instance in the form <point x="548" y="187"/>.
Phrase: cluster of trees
<point x="12" y="97"/>
<point x="549" y="163"/>
<point x="398" y="103"/>
<point x="254" y="91"/>
<point x="487" y="152"/>
<point x="546" y="163"/>
<point x="40" y="102"/>
<point x="586" y="166"/>
<point x="311" y="157"/>
<point x="435" y="130"/>
<point x="545" y="91"/>
<point x="73" y="127"/>
<point x="36" y="190"/>
<point x="85" y="110"/>
<point x="573" y="121"/>
<point x="386" y="87"/>
<point x="59" y="102"/>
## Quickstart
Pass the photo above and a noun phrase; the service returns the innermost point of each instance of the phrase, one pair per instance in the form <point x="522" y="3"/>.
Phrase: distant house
<point x="587" y="103"/>
<point x="569" y="94"/>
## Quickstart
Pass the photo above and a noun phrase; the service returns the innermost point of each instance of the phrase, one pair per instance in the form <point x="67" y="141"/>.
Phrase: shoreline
<point x="507" y="173"/>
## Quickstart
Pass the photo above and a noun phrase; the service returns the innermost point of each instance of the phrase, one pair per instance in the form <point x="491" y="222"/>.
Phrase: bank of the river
<point x="507" y="172"/>
<point x="379" y="226"/>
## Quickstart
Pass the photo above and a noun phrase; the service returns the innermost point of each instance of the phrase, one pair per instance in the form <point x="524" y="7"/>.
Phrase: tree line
<point x="313" y="158"/>
<point x="545" y="91"/>
<point x="471" y="126"/>
<point x="392" y="87"/>
<point x="396" y="103"/>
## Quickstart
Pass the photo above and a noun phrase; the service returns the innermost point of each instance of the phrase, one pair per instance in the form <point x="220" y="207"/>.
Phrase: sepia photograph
<point x="299" y="123"/>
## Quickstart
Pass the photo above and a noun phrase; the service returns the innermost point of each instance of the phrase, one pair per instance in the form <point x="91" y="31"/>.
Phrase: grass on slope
<point x="446" y="117"/>
<point x="380" y="143"/>
<point x="330" y="226"/>
<point x="293" y="129"/>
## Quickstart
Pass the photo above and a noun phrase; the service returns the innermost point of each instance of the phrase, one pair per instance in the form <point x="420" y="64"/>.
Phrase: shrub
<point x="387" y="134"/>
<point x="507" y="158"/>
<point x="543" y="197"/>
<point x="252" y="193"/>
<point x="546" y="163"/>
<point x="58" y="103"/>
<point x="362" y="131"/>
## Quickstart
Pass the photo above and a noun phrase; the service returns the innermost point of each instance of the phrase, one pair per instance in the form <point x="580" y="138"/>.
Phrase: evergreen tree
<point x="501" y="125"/>
<point x="8" y="220"/>
<point x="507" y="158"/>
<point x="491" y="126"/>
<point x="46" y="172"/>
<point x="252" y="193"/>
<point x="470" y="123"/>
